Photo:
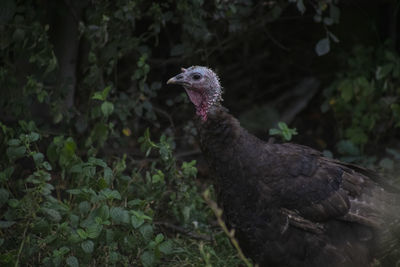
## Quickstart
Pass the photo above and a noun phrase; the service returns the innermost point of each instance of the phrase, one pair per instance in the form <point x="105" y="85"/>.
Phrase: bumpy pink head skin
<point x="202" y="86"/>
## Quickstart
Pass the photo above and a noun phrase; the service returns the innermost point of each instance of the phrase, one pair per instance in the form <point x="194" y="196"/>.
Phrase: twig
<point x="276" y="42"/>
<point x="185" y="231"/>
<point x="162" y="62"/>
<point x="187" y="153"/>
<point x="231" y="234"/>
<point x="72" y="10"/>
<point x="165" y="114"/>
<point x="22" y="245"/>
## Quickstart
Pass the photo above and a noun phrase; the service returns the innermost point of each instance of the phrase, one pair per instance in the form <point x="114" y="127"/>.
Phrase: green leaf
<point x="107" y="108"/>
<point x="283" y="126"/>
<point x="346" y="89"/>
<point x="155" y="86"/>
<point x="94" y="230"/>
<point x="72" y="261"/>
<point x="7" y="10"/>
<point x="87" y="246"/>
<point x="333" y="37"/>
<point x="300" y="6"/>
<point x="383" y="71"/>
<point x="328" y="21"/>
<point x="274" y="131"/>
<point x="148" y="259"/>
<point x="49" y="239"/>
<point x="322" y="47"/>
<point x="114" y="257"/>
<point x="157" y="178"/>
<point x="74" y="220"/>
<point x="38" y="158"/>
<point x="67" y="154"/>
<point x="394" y="153"/>
<point x="110" y="235"/>
<point x="334" y="13"/>
<point x="159" y="238"/>
<point x="102" y="95"/>
<point x="76" y="168"/>
<point x="98" y="96"/>
<point x="363" y="85"/>
<point x="4" y="195"/>
<point x="53" y="214"/>
<point x="98" y="162"/>
<point x="327" y="154"/>
<point x="6" y="174"/>
<point x="346" y="147"/>
<point x="287" y="136"/>
<point x="108" y="174"/>
<point x="140" y="214"/>
<point x="74" y="238"/>
<point x="69" y="146"/>
<point x="119" y="215"/>
<point x="74" y="191"/>
<point x="111" y="194"/>
<point x="6" y="224"/>
<point x="47" y="166"/>
<point x="14" y="142"/>
<point x="89" y="171"/>
<point x="63" y="250"/>
<point x="33" y="137"/>
<point x="52" y="153"/>
<point x="14" y="153"/>
<point x="82" y="233"/>
<point x="357" y="135"/>
<point x="104" y="212"/>
<point x="84" y="207"/>
<point x="13" y="203"/>
<point x="189" y="169"/>
<point x="136" y="221"/>
<point x="166" y="247"/>
<point x="99" y="134"/>
<point x="47" y="189"/>
<point x="147" y="232"/>
<point x="284" y="131"/>
<point x="387" y="164"/>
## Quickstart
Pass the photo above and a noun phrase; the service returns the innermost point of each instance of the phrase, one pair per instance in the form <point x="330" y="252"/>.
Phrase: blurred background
<point x="99" y="161"/>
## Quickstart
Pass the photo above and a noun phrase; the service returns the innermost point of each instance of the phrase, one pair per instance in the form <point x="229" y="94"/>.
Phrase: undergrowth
<point x="72" y="208"/>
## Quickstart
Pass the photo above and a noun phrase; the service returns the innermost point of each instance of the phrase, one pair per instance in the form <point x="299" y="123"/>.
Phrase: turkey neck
<point x="218" y="132"/>
<point x="224" y="144"/>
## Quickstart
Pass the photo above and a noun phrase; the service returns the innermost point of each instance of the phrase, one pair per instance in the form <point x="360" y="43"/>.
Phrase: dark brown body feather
<point x="290" y="206"/>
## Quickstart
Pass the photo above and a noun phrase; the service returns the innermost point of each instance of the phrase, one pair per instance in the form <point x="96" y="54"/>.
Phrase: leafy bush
<point x="71" y="210"/>
<point x="283" y="131"/>
<point x="364" y="98"/>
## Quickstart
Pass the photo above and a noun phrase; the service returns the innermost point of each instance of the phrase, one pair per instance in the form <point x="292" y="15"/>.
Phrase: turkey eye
<point x="196" y="77"/>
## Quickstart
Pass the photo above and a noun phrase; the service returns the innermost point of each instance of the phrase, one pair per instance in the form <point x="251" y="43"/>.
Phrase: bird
<point x="288" y="204"/>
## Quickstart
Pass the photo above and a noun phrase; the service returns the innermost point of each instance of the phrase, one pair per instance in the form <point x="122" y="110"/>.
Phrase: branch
<point x="21" y="246"/>
<point x="184" y="231"/>
<point x="231" y="234"/>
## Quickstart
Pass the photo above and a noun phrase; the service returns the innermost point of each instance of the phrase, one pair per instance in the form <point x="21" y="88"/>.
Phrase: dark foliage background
<point x="99" y="163"/>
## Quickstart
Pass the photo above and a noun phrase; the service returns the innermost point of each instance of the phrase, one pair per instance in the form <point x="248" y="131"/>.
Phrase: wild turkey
<point x="289" y="205"/>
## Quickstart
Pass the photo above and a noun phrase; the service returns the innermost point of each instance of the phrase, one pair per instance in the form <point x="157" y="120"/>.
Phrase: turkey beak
<point x="172" y="81"/>
<point x="178" y="79"/>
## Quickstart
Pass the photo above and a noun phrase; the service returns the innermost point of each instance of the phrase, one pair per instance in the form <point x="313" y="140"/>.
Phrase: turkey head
<point x="202" y="86"/>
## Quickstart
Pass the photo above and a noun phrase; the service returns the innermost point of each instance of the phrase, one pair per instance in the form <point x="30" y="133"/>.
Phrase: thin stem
<point x="22" y="244"/>
<point x="231" y="234"/>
